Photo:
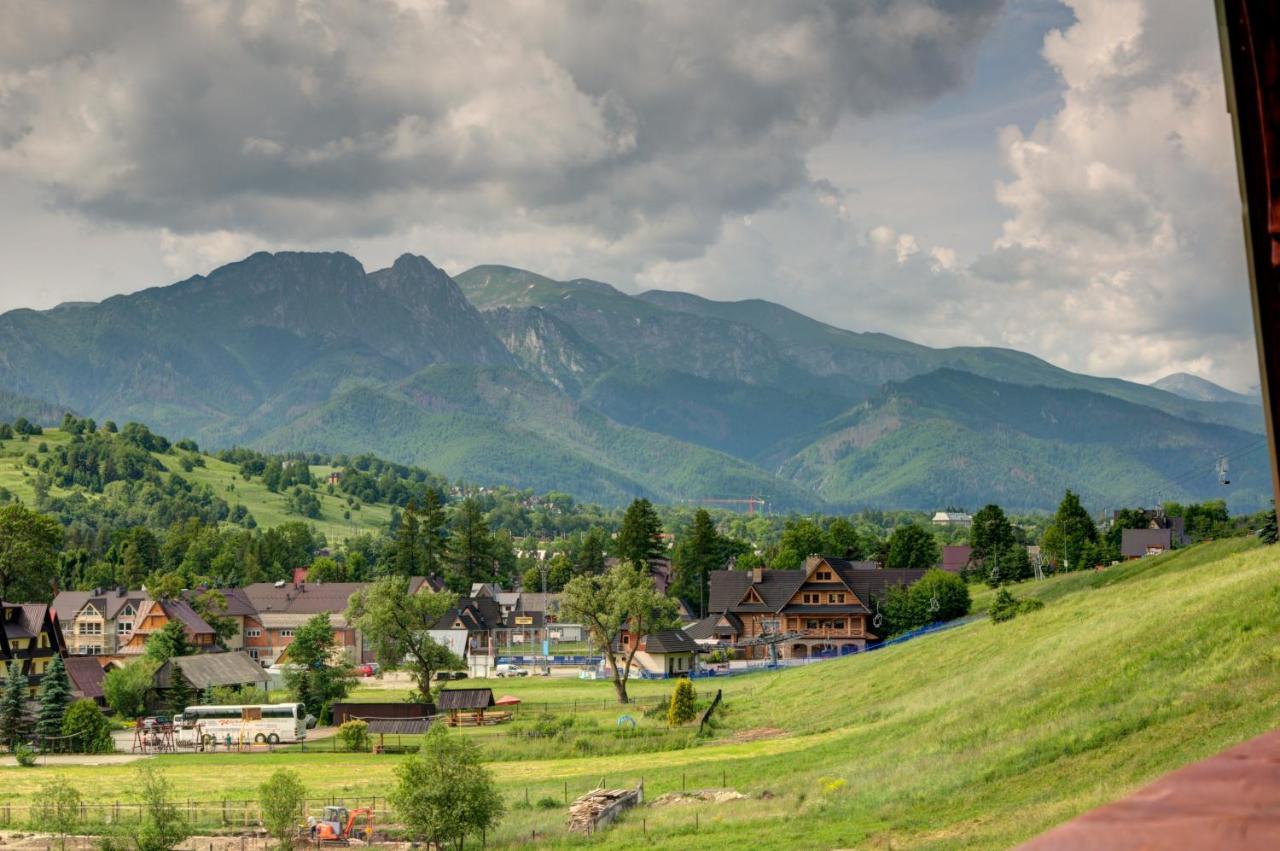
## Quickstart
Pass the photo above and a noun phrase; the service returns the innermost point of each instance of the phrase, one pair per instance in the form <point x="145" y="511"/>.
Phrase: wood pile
<point x="599" y="807"/>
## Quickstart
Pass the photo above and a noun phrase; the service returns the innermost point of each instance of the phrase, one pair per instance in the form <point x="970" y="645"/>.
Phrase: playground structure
<point x="153" y="737"/>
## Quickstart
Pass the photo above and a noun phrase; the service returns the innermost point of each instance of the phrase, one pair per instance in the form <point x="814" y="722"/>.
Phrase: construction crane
<point x="751" y="502"/>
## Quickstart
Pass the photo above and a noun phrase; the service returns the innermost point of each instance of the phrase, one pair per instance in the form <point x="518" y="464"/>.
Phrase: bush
<point x="682" y="709"/>
<point x="59" y="807"/>
<point x="162" y="827"/>
<point x="90" y="732"/>
<point x="355" y="735"/>
<point x="283" y="801"/>
<point x="25" y="755"/>
<point x="1006" y="606"/>
<point x="548" y="803"/>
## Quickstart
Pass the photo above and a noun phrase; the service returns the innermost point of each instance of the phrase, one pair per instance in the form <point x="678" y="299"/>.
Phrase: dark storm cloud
<point x="638" y="123"/>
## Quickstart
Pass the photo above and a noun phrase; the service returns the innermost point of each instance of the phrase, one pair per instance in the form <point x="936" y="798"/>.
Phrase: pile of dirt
<point x="709" y="796"/>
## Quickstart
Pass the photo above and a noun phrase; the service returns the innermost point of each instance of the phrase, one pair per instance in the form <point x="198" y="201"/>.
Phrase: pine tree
<point x="432" y="534"/>
<point x="181" y="693"/>
<point x="13" y="709"/>
<point x="698" y="553"/>
<point x="640" y="538"/>
<point x="54" y="697"/>
<point x="471" y="550"/>
<point x="408" y="553"/>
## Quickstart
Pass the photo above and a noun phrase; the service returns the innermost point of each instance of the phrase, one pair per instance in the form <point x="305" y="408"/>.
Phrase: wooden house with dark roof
<point x="30" y="639"/>
<point x="824" y="607"/>
<point x="665" y="653"/>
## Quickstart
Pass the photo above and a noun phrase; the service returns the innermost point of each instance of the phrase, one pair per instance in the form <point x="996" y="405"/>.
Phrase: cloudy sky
<point x="1053" y="177"/>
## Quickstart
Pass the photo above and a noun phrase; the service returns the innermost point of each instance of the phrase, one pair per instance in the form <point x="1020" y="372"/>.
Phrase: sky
<point x="1054" y="177"/>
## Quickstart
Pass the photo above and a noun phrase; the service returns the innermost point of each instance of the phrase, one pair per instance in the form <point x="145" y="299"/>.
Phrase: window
<point x="92" y="650"/>
<point x="285" y="633"/>
<point x="92" y="628"/>
<point x="810" y="624"/>
<point x="124" y="628"/>
<point x="831" y="598"/>
<point x="837" y="624"/>
<point x="252" y="632"/>
<point x="823" y="576"/>
<point x="253" y="654"/>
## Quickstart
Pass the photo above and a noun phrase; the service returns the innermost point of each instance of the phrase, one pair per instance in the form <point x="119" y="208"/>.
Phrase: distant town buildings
<point x="952" y="518"/>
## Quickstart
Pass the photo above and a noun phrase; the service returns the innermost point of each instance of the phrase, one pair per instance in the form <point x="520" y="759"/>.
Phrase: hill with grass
<point x="980" y="736"/>
<point x="503" y="376"/>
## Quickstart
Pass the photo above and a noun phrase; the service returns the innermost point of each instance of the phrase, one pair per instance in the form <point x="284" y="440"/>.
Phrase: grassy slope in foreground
<point x="976" y="738"/>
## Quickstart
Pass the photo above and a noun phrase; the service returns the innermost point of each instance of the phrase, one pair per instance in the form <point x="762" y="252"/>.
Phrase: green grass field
<point x="977" y="737"/>
<point x="268" y="509"/>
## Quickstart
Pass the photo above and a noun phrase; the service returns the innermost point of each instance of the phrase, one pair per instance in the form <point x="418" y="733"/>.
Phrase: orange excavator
<point x="338" y="826"/>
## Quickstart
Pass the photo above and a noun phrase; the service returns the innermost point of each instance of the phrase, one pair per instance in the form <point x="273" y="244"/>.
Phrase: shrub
<point x="355" y="735"/>
<point x="89" y="731"/>
<point x="162" y="827"/>
<point x="1007" y="607"/>
<point x="682" y="709"/>
<point x="548" y="803"/>
<point x="1031" y="604"/>
<point x="659" y="709"/>
<point x="59" y="807"/>
<point x="26" y="756"/>
<point x="283" y="800"/>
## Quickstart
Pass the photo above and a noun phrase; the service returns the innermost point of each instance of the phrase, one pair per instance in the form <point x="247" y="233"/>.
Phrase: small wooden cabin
<point x="467" y="705"/>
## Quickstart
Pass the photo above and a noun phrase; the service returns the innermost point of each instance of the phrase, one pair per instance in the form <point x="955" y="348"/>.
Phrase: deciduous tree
<point x="912" y="545"/>
<point x="397" y="624"/>
<point x="29" y="544"/>
<point x="445" y="793"/>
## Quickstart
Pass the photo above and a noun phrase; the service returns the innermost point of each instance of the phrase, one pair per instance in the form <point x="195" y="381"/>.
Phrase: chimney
<point x="757" y="574"/>
<point x="299" y="575"/>
<point x="120" y="591"/>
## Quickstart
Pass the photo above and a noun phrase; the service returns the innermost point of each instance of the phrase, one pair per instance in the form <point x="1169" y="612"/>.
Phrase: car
<point x="505" y="670"/>
<point x="366" y="670"/>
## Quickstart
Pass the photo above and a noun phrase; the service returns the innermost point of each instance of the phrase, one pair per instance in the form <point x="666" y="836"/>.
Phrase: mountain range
<point x="500" y="375"/>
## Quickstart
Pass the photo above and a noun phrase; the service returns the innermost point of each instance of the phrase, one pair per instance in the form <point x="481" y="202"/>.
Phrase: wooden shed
<point x="468" y="705"/>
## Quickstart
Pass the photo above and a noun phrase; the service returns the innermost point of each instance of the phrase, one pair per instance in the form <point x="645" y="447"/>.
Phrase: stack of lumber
<point x="599" y="807"/>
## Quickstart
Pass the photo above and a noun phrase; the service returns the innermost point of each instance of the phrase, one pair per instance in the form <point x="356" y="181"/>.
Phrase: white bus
<point x="212" y="725"/>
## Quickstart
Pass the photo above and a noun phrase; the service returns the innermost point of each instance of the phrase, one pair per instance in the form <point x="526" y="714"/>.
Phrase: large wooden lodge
<point x="823" y="608"/>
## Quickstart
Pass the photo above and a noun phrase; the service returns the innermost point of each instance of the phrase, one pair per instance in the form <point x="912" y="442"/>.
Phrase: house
<point x="666" y="653"/>
<point x="212" y="670"/>
<point x="30" y="639"/>
<point x="824" y="607"/>
<point x="472" y="627"/>
<point x="238" y="610"/>
<point x="154" y="615"/>
<point x="952" y="518"/>
<point x="280" y="608"/>
<point x="715" y="630"/>
<point x="1157" y="518"/>
<point x="957" y="559"/>
<point x="335" y="477"/>
<point x="86" y="674"/>
<point x="1136" y="543"/>
<point x="98" y="622"/>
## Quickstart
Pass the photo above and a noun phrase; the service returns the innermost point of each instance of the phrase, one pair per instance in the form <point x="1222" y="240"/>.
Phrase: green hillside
<point x="978" y="737"/>
<point x="500" y="426"/>
<point x="268" y="508"/>
<point x="964" y="440"/>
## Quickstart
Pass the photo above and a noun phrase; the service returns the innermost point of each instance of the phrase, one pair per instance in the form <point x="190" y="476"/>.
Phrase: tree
<point x="282" y="802"/>
<point x="990" y="536"/>
<point x="326" y="569"/>
<point x="54" y="697"/>
<point x="471" y="552"/>
<point x="211" y="606"/>
<point x="622" y="599"/>
<point x="801" y="538"/>
<point x="698" y="552"/>
<point x="126" y="688"/>
<point x="397" y="624"/>
<point x="912" y="545"/>
<point x="181" y="693"/>
<point x="59" y="807"/>
<point x="318" y="674"/>
<point x="169" y="641"/>
<point x="408" y="558"/>
<point x="29" y="544"/>
<point x="639" y="539"/>
<point x="13" y="709"/>
<point x="1267" y="532"/>
<point x="681" y="710"/>
<point x="589" y="555"/>
<point x="86" y="729"/>
<point x="432" y="534"/>
<point x="843" y="540"/>
<point x="444" y="793"/>
<point x="937" y="596"/>
<point x="162" y="826"/>
<point x="1072" y="528"/>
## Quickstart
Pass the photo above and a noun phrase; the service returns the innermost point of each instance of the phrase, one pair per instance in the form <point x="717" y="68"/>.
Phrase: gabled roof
<point x="465" y="698"/>
<point x="302" y="598"/>
<point x="727" y="588"/>
<point x="431" y="583"/>
<point x="108" y="601"/>
<point x="476" y="613"/>
<point x="181" y="611"/>
<point x="956" y="559"/>
<point x="670" y="641"/>
<point x="1136" y="542"/>
<point x="86" y="675"/>
<point x="213" y="669"/>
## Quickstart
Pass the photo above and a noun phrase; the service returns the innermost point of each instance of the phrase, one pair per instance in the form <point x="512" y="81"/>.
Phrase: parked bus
<point x="211" y="725"/>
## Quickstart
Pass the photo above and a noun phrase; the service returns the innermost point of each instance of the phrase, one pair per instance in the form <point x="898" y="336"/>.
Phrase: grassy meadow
<point x="977" y="737"/>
